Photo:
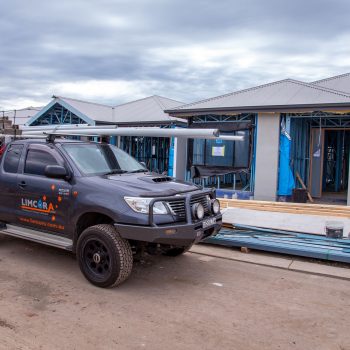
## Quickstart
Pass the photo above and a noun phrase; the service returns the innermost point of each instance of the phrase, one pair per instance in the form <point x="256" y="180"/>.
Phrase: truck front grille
<point x="178" y="206"/>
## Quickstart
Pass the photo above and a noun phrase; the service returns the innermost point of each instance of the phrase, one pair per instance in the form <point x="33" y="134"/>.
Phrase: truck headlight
<point x="215" y="206"/>
<point x="141" y="205"/>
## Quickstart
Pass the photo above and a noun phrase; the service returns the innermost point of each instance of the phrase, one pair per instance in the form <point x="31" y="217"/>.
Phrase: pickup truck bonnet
<point x="146" y="185"/>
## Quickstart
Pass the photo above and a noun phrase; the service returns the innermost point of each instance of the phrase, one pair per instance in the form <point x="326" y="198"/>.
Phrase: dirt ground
<point x="189" y="302"/>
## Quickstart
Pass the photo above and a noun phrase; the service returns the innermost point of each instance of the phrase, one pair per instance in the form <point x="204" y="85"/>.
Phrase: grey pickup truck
<point x="100" y="203"/>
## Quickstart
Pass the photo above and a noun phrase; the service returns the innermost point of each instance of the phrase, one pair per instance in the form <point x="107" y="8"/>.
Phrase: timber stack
<point x="285" y="207"/>
<point x="7" y="128"/>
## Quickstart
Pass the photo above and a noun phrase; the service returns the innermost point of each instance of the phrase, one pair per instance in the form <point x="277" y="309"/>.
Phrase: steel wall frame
<point x="208" y="118"/>
<point x="58" y="115"/>
<point x="324" y="119"/>
<point x="143" y="150"/>
<point x="301" y="125"/>
<point x="226" y="119"/>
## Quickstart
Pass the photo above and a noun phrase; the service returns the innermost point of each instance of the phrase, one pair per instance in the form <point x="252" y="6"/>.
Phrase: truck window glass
<point x="2" y="147"/>
<point x="12" y="157"/>
<point x="37" y="161"/>
<point x="96" y="159"/>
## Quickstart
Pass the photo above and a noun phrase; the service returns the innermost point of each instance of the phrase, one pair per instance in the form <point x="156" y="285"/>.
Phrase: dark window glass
<point x="12" y="157"/>
<point x="37" y="161"/>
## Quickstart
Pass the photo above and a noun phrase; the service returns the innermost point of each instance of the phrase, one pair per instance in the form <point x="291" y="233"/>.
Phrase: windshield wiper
<point x="116" y="171"/>
<point x="138" y="171"/>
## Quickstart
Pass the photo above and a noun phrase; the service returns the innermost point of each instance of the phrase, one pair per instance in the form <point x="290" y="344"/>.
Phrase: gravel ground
<point x="189" y="302"/>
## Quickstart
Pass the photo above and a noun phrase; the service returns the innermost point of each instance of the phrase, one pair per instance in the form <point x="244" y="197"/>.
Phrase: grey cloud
<point x="43" y="42"/>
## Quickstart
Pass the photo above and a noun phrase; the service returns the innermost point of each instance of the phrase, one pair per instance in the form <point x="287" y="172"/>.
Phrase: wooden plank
<point x="311" y="209"/>
<point x="297" y="211"/>
<point x="239" y="205"/>
<point x="287" y="204"/>
<point x="304" y="187"/>
<point x="301" y="212"/>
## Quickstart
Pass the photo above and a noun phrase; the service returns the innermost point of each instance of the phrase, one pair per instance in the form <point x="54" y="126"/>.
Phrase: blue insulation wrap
<point x="171" y="157"/>
<point x="286" y="181"/>
<point x="113" y="140"/>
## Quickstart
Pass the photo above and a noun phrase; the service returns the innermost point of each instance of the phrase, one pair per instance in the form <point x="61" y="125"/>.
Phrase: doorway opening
<point x="335" y="166"/>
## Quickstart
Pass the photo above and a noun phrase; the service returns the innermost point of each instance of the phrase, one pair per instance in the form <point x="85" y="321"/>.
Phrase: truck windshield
<point x="98" y="159"/>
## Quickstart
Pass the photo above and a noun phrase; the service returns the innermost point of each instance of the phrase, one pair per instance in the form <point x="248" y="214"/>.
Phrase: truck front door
<point x="43" y="203"/>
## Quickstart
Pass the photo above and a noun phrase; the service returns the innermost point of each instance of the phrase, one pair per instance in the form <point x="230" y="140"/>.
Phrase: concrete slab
<point x="267" y="259"/>
<point x="228" y="253"/>
<point x="320" y="269"/>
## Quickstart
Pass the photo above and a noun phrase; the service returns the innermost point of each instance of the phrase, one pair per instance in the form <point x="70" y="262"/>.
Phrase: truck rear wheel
<point x="105" y="258"/>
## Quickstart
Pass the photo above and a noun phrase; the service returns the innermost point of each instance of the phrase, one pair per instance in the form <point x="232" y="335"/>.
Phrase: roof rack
<point x="101" y="131"/>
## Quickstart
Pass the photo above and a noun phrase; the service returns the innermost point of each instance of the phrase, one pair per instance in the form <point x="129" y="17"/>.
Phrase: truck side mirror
<point x="56" y="172"/>
<point x="143" y="164"/>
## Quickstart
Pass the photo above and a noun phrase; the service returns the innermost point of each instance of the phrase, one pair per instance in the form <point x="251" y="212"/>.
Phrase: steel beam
<point x="136" y="131"/>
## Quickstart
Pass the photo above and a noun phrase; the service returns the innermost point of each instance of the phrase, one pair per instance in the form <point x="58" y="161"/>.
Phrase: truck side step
<point x="38" y="236"/>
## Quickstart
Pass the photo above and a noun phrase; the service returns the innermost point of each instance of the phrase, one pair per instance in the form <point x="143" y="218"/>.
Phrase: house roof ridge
<point x="331" y="78"/>
<point x="322" y="88"/>
<point x="25" y="108"/>
<point x="130" y="102"/>
<point x="155" y="97"/>
<point x="234" y="93"/>
<point x="294" y="81"/>
<point x="78" y="100"/>
<point x="167" y="98"/>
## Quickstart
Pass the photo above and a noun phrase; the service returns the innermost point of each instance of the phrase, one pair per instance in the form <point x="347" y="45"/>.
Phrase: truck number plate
<point x="209" y="222"/>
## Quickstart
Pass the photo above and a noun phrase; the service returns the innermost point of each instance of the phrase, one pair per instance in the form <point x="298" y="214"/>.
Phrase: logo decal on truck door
<point x="37" y="205"/>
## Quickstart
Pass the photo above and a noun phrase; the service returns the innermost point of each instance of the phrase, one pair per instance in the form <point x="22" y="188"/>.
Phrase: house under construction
<point x="296" y="134"/>
<point x="314" y="117"/>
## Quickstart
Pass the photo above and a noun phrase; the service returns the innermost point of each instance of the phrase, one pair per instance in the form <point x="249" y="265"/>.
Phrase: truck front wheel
<point x="105" y="258"/>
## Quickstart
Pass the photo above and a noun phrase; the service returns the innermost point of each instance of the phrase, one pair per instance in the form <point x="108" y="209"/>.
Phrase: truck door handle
<point x="22" y="184"/>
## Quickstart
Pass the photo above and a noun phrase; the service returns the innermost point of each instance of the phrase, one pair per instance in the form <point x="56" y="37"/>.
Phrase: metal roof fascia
<point x="256" y="109"/>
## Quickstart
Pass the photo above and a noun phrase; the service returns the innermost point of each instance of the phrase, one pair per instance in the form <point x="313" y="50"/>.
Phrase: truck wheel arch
<point x="89" y="219"/>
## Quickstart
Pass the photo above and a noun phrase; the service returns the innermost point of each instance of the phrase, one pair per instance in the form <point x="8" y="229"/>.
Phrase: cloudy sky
<point x="114" y="51"/>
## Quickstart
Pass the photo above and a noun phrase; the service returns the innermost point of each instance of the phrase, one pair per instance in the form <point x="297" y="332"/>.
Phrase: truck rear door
<point x="43" y="203"/>
<point x="9" y="182"/>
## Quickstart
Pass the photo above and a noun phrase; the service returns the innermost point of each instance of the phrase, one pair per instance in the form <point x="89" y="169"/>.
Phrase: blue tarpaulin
<point x="286" y="181"/>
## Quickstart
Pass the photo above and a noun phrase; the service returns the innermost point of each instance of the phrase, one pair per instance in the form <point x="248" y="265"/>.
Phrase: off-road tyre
<point x="176" y="251"/>
<point x="116" y="259"/>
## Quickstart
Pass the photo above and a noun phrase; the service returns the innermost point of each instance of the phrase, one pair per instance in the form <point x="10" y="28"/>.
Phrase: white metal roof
<point x="281" y="93"/>
<point x="94" y="111"/>
<point x="149" y="109"/>
<point x="338" y="82"/>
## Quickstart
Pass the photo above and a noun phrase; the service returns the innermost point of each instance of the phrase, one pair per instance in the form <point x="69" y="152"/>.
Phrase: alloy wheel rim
<point x="97" y="257"/>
